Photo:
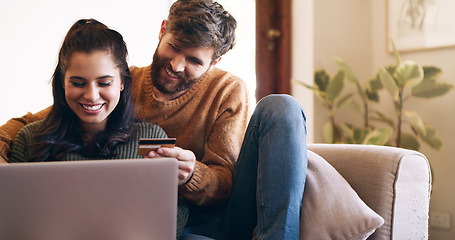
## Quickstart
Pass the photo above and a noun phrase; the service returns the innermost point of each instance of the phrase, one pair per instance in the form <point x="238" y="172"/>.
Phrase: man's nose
<point x="178" y="63"/>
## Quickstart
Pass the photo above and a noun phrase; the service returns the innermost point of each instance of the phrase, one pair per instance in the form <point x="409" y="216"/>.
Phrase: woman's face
<point x="92" y="88"/>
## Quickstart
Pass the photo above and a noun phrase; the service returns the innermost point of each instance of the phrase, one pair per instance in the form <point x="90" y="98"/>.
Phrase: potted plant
<point x="403" y="80"/>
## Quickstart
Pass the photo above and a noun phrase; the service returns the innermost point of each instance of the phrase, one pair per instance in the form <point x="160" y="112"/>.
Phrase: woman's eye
<point x="105" y="84"/>
<point x="77" y="84"/>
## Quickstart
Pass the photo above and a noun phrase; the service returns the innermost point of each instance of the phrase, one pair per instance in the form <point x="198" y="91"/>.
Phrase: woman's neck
<point x="91" y="130"/>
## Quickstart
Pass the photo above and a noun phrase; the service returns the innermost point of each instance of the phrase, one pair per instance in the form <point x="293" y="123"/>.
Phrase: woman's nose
<point x="91" y="93"/>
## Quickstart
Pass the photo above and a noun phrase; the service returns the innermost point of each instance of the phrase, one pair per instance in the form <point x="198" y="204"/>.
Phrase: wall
<point x="355" y="30"/>
<point x="439" y="112"/>
<point x="302" y="59"/>
<point x="32" y="32"/>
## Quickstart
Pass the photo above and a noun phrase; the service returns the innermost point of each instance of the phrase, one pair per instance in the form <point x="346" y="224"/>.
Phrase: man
<point x="206" y="109"/>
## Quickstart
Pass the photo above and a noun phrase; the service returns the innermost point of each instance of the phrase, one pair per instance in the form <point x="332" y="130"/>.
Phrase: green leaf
<point x="346" y="134"/>
<point x="372" y="88"/>
<point x="305" y="85"/>
<point x="432" y="138"/>
<point x="409" y="141"/>
<point x="321" y="79"/>
<point x="359" y="134"/>
<point x="343" y="100"/>
<point x="416" y="122"/>
<point x="431" y="72"/>
<point x="378" y="136"/>
<point x="343" y="66"/>
<point x="383" y="118"/>
<point x="409" y="73"/>
<point x="430" y="88"/>
<point x="335" y="86"/>
<point x="395" y="51"/>
<point x="328" y="132"/>
<point x="389" y="83"/>
<point x="391" y="69"/>
<point x="372" y="95"/>
<point x="353" y="104"/>
<point x="351" y="77"/>
<point x="375" y="84"/>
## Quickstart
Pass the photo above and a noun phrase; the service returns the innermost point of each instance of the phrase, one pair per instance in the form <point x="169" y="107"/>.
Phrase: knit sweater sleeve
<point x="9" y="130"/>
<point x="22" y="149"/>
<point x="212" y="177"/>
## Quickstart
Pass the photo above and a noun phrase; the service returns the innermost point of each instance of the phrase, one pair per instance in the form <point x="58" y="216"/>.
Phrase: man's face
<point x="176" y="69"/>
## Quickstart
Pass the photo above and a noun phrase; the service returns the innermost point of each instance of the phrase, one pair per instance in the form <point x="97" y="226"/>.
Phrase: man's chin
<point x="169" y="89"/>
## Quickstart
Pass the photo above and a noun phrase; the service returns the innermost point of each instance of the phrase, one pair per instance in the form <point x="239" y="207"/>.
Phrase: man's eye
<point x="174" y="47"/>
<point x="195" y="61"/>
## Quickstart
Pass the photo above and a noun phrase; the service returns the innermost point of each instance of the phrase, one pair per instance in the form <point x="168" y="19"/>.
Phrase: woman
<point x="91" y="117"/>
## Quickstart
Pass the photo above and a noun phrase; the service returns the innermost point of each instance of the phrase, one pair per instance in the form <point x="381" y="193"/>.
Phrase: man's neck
<point x="166" y="97"/>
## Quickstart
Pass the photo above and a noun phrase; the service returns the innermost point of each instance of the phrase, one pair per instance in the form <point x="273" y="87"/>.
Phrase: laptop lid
<point x="100" y="200"/>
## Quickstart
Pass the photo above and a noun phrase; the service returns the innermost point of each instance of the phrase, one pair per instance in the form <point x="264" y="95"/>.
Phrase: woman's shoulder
<point x="148" y="130"/>
<point x="145" y="125"/>
<point x="22" y="148"/>
<point x="30" y="129"/>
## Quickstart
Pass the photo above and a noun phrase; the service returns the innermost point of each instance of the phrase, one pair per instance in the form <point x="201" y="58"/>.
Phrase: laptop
<point x="130" y="199"/>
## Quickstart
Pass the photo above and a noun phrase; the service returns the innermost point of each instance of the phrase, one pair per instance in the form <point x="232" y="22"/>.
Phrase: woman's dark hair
<point x="60" y="133"/>
<point x="202" y="23"/>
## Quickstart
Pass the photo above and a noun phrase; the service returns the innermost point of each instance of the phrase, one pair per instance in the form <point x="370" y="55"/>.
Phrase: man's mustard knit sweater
<point x="209" y="119"/>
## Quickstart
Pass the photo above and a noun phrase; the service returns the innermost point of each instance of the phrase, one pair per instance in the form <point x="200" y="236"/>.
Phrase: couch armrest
<point x="394" y="182"/>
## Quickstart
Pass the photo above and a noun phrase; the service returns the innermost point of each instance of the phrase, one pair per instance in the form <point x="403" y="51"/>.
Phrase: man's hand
<point x="186" y="161"/>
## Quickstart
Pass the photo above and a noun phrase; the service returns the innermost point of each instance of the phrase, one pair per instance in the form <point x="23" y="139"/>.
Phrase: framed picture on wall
<point x="420" y="24"/>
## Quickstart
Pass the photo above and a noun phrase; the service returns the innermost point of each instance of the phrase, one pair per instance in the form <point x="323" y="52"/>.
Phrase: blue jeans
<point x="269" y="176"/>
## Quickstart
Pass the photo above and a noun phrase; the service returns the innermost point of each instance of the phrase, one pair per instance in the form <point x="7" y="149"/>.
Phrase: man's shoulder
<point x="219" y="76"/>
<point x="136" y="69"/>
<point x="139" y="72"/>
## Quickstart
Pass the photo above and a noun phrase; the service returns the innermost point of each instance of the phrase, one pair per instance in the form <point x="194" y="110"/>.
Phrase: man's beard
<point x="163" y="84"/>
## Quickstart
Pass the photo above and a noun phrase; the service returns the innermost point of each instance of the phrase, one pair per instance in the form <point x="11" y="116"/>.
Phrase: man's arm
<point x="10" y="129"/>
<point x="211" y="180"/>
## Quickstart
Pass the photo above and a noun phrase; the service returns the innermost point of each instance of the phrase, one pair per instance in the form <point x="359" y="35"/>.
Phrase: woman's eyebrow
<point x="98" y="78"/>
<point x="104" y="77"/>
<point x="77" y="77"/>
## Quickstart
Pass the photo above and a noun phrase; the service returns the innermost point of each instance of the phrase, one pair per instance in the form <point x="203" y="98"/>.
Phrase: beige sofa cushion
<point x="331" y="209"/>
<point x="394" y="182"/>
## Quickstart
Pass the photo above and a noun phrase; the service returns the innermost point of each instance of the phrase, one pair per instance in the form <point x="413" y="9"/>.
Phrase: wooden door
<point x="273" y="47"/>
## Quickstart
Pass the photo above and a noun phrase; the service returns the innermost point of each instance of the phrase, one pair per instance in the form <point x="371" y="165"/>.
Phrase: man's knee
<point x="280" y="104"/>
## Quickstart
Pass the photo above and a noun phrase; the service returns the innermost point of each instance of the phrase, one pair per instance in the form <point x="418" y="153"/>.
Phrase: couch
<point x="365" y="192"/>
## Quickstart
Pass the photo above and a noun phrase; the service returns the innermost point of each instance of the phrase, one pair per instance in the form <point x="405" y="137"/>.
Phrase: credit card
<point x="152" y="144"/>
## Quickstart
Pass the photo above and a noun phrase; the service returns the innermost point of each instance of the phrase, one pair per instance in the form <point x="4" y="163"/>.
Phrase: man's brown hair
<point x="202" y="23"/>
